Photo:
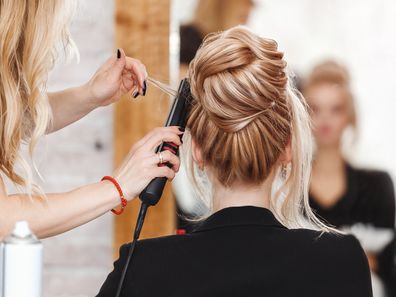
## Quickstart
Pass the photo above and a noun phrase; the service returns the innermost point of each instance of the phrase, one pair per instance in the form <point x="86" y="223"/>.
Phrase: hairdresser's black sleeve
<point x="109" y="287"/>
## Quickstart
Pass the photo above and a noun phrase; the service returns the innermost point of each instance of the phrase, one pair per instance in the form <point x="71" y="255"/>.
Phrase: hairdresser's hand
<point x="141" y="164"/>
<point x="116" y="77"/>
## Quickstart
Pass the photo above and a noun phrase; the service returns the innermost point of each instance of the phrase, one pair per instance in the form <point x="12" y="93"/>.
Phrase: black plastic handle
<point x="177" y="117"/>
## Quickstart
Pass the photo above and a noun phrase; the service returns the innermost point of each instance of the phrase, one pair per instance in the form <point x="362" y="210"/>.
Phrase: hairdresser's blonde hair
<point x="31" y="34"/>
<point x="244" y="114"/>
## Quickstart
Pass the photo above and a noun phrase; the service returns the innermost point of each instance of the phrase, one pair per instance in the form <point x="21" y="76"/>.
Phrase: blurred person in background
<point x="360" y="201"/>
<point x="210" y="16"/>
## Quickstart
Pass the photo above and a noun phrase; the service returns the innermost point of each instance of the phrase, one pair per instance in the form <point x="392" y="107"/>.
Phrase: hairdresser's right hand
<point x="141" y="164"/>
<point x="118" y="76"/>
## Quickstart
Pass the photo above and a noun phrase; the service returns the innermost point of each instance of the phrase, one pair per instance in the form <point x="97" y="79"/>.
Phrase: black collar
<point x="237" y="216"/>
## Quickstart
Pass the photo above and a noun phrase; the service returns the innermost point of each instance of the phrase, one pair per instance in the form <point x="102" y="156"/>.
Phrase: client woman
<point x="250" y="135"/>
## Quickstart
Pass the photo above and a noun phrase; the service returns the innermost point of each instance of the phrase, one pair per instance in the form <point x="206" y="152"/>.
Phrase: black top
<point x="244" y="251"/>
<point x="369" y="199"/>
<point x="190" y="40"/>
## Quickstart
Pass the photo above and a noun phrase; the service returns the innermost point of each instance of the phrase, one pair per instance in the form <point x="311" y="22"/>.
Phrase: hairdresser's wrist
<point x="110" y="193"/>
<point x="88" y="98"/>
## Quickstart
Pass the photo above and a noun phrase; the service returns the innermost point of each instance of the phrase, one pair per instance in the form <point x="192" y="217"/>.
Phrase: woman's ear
<point x="286" y="156"/>
<point x="196" y="154"/>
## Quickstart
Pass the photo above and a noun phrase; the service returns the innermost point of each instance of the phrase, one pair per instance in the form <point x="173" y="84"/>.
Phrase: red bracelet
<point x="124" y="202"/>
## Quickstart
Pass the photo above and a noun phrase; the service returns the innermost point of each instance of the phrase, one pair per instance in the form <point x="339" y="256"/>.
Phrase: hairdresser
<point x="28" y="112"/>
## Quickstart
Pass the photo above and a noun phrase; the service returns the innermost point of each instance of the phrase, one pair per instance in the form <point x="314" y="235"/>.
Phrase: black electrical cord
<point x="136" y="234"/>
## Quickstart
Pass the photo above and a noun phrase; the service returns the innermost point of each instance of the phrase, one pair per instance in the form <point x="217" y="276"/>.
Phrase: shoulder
<point x="375" y="188"/>
<point x="166" y="247"/>
<point x="339" y="258"/>
<point x="330" y="243"/>
<point x="372" y="176"/>
<point x="335" y="245"/>
<point x="328" y="249"/>
<point x="340" y="253"/>
<point x="160" y="249"/>
<point x="147" y="253"/>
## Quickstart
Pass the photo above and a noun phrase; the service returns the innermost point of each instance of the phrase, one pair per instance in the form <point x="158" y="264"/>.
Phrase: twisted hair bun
<point x="240" y="117"/>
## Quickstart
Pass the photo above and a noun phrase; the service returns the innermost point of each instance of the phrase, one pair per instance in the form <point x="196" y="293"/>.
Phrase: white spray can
<point x="22" y="263"/>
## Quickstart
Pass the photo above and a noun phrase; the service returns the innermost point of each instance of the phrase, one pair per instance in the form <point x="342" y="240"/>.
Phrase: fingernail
<point x="118" y="53"/>
<point x="182" y="129"/>
<point x="144" y="88"/>
<point x="135" y="94"/>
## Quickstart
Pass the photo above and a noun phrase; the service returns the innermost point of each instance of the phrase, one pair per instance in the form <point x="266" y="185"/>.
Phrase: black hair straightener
<point x="152" y="193"/>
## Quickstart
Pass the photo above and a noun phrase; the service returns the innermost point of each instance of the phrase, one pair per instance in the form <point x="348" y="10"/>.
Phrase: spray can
<point x="22" y="263"/>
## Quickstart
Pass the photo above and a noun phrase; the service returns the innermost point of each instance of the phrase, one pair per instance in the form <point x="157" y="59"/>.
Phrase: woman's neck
<point x="328" y="159"/>
<point x="241" y="195"/>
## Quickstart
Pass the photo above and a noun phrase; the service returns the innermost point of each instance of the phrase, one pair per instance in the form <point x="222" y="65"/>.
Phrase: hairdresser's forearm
<point x="70" y="105"/>
<point x="60" y="212"/>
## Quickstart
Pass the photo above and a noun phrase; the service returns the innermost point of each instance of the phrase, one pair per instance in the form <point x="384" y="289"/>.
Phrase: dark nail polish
<point x="144" y="88"/>
<point x="118" y="53"/>
<point x="182" y="129"/>
<point x="135" y="94"/>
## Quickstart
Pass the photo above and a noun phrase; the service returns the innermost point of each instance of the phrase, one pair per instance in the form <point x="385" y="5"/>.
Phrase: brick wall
<point x="77" y="262"/>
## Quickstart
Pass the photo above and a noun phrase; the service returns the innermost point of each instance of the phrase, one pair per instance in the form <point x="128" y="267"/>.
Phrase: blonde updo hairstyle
<point x="244" y="114"/>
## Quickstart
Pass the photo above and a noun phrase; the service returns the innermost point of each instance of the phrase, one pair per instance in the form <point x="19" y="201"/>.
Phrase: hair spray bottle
<point x="21" y="259"/>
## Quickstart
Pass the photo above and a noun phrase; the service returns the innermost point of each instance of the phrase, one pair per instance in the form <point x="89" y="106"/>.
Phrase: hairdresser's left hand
<point x="118" y="76"/>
